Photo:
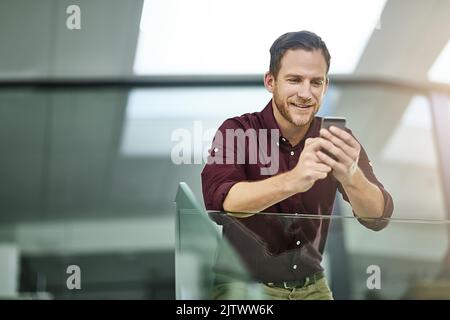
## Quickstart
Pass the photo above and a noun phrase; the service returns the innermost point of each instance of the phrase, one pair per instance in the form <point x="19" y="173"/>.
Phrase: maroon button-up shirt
<point x="269" y="244"/>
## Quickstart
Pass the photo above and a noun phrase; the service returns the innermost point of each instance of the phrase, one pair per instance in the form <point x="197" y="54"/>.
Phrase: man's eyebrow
<point x="291" y="75"/>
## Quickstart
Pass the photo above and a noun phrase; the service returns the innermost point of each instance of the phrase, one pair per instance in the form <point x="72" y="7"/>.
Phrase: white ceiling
<point x="234" y="37"/>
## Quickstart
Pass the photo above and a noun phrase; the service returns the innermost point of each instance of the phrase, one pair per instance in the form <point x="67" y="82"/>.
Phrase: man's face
<point x="300" y="85"/>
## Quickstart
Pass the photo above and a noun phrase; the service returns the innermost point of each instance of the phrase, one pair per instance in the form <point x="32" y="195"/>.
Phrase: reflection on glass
<point x="261" y="252"/>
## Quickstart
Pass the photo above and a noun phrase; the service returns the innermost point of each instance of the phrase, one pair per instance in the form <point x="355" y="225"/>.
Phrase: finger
<point x="326" y="159"/>
<point x="321" y="167"/>
<point x="335" y="165"/>
<point x="340" y="155"/>
<point x="344" y="135"/>
<point x="317" y="175"/>
<point x="317" y="144"/>
<point x="350" y="151"/>
<point x="320" y="175"/>
<point x="309" y="141"/>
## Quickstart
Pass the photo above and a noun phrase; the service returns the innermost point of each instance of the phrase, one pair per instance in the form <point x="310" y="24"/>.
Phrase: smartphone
<point x="327" y="122"/>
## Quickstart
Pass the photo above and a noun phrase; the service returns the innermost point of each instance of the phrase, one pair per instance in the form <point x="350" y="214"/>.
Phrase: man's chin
<point x="301" y="122"/>
<point x="295" y="119"/>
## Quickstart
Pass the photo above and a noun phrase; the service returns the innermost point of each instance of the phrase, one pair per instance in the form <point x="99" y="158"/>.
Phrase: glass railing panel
<point x="407" y="259"/>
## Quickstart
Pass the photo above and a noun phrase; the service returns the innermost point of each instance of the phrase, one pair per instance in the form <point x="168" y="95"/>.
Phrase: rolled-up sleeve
<point x="217" y="176"/>
<point x="377" y="223"/>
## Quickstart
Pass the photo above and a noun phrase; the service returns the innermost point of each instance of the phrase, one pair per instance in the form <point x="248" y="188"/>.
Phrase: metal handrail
<point x="162" y="81"/>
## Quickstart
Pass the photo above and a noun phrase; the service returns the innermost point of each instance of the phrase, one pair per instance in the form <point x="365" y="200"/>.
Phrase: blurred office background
<point x="88" y="122"/>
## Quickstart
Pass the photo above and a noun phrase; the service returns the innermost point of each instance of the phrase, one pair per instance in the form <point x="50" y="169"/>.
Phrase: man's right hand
<point x="256" y="196"/>
<point x="309" y="167"/>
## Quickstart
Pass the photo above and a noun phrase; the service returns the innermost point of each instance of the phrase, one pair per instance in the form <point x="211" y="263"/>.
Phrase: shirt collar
<point x="269" y="118"/>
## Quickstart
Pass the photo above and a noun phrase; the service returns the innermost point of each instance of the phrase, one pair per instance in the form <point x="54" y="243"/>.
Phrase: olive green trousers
<point x="244" y="291"/>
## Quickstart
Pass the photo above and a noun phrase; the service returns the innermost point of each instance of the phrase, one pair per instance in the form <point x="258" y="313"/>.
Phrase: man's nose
<point x="304" y="90"/>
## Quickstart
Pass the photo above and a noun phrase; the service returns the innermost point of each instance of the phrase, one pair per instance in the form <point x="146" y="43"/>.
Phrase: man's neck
<point x="291" y="132"/>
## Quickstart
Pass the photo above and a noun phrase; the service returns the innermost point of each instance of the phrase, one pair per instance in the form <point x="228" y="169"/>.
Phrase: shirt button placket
<point x="292" y="162"/>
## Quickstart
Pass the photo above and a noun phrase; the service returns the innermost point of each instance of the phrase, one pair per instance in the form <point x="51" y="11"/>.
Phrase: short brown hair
<point x="305" y="40"/>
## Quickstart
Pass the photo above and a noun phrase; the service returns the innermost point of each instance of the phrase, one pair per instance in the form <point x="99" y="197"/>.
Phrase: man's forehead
<point x="301" y="62"/>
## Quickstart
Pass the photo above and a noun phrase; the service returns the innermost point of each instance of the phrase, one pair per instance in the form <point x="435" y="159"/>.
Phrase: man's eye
<point x="293" y="80"/>
<point x="317" y="83"/>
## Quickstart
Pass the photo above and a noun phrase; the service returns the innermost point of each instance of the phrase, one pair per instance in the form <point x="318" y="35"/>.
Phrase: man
<point x="313" y="164"/>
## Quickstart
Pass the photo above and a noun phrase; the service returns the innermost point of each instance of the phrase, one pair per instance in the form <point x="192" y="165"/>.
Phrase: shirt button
<point x="292" y="153"/>
<point x="298" y="243"/>
<point x="215" y="149"/>
<point x="278" y="144"/>
<point x="294" y="266"/>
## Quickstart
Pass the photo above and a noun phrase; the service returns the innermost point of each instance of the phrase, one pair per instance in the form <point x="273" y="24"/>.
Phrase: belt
<point x="297" y="283"/>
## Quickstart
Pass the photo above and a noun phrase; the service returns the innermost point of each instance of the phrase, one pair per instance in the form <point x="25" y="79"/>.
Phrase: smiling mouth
<point x="301" y="106"/>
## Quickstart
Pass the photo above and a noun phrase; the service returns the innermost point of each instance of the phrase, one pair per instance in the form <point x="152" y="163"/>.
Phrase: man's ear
<point x="269" y="81"/>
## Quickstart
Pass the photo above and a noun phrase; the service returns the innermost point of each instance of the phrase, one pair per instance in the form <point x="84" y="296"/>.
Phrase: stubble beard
<point x="283" y="109"/>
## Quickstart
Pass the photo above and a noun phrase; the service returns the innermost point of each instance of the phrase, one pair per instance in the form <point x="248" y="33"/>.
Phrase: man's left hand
<point x="345" y="149"/>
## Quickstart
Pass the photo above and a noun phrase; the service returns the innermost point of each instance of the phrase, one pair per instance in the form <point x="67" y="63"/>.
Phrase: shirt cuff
<point x="378" y="224"/>
<point x="221" y="193"/>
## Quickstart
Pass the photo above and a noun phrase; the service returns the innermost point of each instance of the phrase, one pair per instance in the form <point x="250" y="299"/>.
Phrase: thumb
<point x="310" y="141"/>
